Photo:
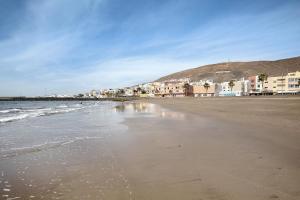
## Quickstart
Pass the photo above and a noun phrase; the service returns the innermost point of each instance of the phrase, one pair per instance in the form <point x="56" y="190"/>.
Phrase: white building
<point x="240" y="88"/>
<point x="128" y="91"/>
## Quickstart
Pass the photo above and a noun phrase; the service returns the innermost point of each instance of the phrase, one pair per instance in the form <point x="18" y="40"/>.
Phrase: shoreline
<point x="122" y="99"/>
<point x="171" y="148"/>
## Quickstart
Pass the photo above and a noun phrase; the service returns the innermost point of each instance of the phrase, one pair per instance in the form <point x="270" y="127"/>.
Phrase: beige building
<point x="169" y="89"/>
<point x="174" y="88"/>
<point x="292" y="82"/>
<point x="270" y="85"/>
<point x="159" y="89"/>
<point x="201" y="91"/>
<point x="288" y="84"/>
<point x="197" y="89"/>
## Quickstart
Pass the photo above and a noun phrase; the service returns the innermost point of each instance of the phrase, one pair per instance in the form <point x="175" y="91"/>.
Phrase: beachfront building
<point x="280" y="84"/>
<point x="128" y="91"/>
<point x="224" y="89"/>
<point x="198" y="89"/>
<point x="174" y="89"/>
<point x="170" y="88"/>
<point x="275" y="84"/>
<point x="270" y="85"/>
<point x="159" y="89"/>
<point x="93" y="93"/>
<point x="147" y="90"/>
<point x="240" y="88"/>
<point x="285" y="84"/>
<point x="107" y="93"/>
<point x="246" y="84"/>
<point x="292" y="83"/>
<point x="255" y="85"/>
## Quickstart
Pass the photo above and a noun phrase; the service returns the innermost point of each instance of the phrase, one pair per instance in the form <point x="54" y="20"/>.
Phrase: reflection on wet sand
<point x="149" y="108"/>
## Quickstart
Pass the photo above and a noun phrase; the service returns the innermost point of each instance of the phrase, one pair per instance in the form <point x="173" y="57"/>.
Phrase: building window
<point x="291" y="85"/>
<point x="291" y="79"/>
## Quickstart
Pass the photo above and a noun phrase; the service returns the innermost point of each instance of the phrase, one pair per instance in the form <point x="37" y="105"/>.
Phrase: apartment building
<point x="255" y="86"/>
<point x="240" y="88"/>
<point x="270" y="85"/>
<point x="292" y="82"/>
<point x="197" y="89"/>
<point x="285" y="84"/>
<point x="159" y="89"/>
<point x="174" y="89"/>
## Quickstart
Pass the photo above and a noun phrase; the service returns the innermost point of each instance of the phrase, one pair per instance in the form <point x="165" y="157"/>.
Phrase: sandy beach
<point x="214" y="148"/>
<point x="171" y="148"/>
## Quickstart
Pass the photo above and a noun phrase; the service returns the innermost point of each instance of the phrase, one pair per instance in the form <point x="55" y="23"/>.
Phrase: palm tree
<point x="139" y="90"/>
<point x="206" y="86"/>
<point x="171" y="93"/>
<point x="120" y="92"/>
<point x="186" y="87"/>
<point x="231" y="84"/>
<point x="262" y="77"/>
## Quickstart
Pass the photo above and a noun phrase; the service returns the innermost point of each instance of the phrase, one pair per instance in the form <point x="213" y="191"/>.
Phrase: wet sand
<point x="176" y="148"/>
<point x="213" y="148"/>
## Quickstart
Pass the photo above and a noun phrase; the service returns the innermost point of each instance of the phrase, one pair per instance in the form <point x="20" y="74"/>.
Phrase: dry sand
<point x="212" y="148"/>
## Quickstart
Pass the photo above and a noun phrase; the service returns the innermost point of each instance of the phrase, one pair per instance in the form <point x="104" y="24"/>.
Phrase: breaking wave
<point x="14" y="114"/>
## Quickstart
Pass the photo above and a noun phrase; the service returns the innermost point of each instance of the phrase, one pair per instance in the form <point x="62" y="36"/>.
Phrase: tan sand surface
<point x="212" y="148"/>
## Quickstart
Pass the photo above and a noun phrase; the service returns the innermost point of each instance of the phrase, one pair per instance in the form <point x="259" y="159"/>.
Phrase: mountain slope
<point x="236" y="70"/>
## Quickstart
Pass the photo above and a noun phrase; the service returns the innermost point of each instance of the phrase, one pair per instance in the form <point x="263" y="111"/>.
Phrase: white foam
<point x="9" y="110"/>
<point x="62" y="106"/>
<point x="13" y="118"/>
<point x="30" y="113"/>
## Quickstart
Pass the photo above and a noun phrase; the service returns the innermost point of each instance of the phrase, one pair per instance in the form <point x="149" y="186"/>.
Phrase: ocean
<point x="42" y="143"/>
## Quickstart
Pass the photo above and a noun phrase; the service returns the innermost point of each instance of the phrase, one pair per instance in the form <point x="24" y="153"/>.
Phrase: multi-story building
<point x="270" y="85"/>
<point x="240" y="88"/>
<point x="174" y="89"/>
<point x="280" y="84"/>
<point x="276" y="84"/>
<point x="159" y="88"/>
<point x="255" y="84"/>
<point x="285" y="84"/>
<point x="128" y="91"/>
<point x="93" y="93"/>
<point x="198" y="89"/>
<point x="147" y="89"/>
<point x="292" y="82"/>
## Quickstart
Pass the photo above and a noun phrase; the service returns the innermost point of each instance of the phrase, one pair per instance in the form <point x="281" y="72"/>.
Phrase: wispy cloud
<point x="63" y="47"/>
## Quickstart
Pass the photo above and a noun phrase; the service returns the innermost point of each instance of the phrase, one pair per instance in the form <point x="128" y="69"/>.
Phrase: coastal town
<point x="260" y="84"/>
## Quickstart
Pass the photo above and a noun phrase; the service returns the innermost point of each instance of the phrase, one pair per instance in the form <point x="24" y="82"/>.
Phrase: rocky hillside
<point x="236" y="70"/>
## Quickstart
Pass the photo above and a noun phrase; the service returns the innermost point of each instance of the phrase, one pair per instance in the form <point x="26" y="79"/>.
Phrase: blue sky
<point x="63" y="47"/>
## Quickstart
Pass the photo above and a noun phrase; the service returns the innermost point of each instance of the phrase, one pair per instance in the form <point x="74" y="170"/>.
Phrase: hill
<point x="235" y="70"/>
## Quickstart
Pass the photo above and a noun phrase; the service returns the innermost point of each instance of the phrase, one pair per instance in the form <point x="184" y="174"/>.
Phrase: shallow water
<point x="63" y="150"/>
<point x="55" y="141"/>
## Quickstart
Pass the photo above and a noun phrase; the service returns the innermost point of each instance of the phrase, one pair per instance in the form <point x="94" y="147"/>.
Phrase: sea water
<point x="42" y="143"/>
